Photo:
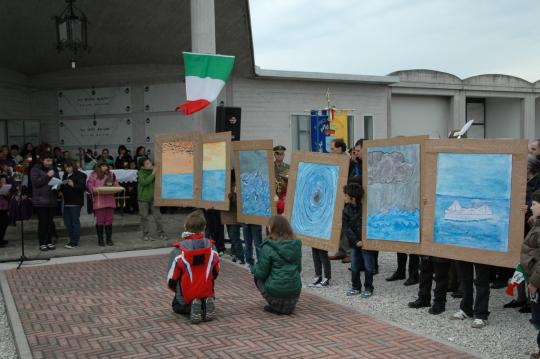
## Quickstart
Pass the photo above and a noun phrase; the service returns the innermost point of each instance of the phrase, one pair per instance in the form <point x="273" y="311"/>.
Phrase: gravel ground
<point x="508" y="335"/>
<point x="7" y="346"/>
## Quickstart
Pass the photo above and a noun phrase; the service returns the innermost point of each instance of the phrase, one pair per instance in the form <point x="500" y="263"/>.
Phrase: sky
<point x="377" y="37"/>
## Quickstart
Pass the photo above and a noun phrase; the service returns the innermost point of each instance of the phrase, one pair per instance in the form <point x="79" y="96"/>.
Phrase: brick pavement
<point x="121" y="309"/>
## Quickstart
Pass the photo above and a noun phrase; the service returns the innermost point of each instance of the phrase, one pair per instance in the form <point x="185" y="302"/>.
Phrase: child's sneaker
<point x="209" y="309"/>
<point x="479" y="323"/>
<point x="316" y="280"/>
<point x="351" y="292"/>
<point x="459" y="315"/>
<point x="196" y="313"/>
<point x="51" y="247"/>
<point x="366" y="294"/>
<point x="325" y="283"/>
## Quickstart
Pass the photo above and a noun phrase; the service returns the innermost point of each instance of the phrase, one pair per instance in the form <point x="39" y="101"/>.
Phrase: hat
<point x="280" y="148"/>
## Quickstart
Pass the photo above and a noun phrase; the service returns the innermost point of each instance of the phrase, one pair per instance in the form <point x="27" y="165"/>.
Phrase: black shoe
<point x="499" y="284"/>
<point x="515" y="304"/>
<point x="436" y="310"/>
<point x="110" y="242"/>
<point x="457" y="294"/>
<point x="419" y="304"/>
<point x="395" y="276"/>
<point x="108" y="234"/>
<point x="51" y="247"/>
<point x="526" y="308"/>
<point x="411" y="281"/>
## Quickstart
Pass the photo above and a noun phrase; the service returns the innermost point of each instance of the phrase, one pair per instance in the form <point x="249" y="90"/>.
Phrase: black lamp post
<point x="71" y="33"/>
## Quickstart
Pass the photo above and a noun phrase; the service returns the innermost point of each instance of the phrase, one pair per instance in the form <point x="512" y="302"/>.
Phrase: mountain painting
<point x="472" y="200"/>
<point x="393" y="193"/>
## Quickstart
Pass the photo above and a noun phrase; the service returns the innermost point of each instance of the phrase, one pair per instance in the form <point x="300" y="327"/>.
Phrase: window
<point x="20" y="132"/>
<point x="476" y="110"/>
<point x="368" y="127"/>
<point x="301" y="131"/>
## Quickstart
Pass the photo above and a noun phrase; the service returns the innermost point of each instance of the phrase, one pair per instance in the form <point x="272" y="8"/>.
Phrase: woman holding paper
<point x="44" y="198"/>
<point x="103" y="202"/>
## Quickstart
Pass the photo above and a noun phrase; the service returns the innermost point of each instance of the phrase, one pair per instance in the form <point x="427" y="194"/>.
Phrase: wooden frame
<point x="266" y="145"/>
<point x="342" y="161"/>
<point x="381" y="244"/>
<point x="160" y="140"/>
<point x="518" y="150"/>
<point x="212" y="138"/>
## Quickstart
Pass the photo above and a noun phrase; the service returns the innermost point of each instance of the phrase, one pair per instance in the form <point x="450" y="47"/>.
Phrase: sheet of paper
<point x="55" y="182"/>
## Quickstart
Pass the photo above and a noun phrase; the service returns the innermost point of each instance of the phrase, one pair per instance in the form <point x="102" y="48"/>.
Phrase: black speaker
<point x="229" y="119"/>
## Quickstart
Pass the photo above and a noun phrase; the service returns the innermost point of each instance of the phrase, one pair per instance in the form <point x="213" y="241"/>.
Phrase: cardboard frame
<point x="389" y="245"/>
<point x="518" y="150"/>
<point x="266" y="145"/>
<point x="211" y="138"/>
<point x="193" y="137"/>
<point x="342" y="162"/>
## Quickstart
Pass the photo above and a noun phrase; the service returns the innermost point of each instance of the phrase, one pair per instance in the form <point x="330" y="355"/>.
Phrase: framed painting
<point x="177" y="179"/>
<point x="392" y="209"/>
<point x="315" y="197"/>
<point x="255" y="181"/>
<point x="473" y="196"/>
<point x="216" y="168"/>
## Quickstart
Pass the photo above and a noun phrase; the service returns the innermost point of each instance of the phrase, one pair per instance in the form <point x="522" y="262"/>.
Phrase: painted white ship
<point x="457" y="213"/>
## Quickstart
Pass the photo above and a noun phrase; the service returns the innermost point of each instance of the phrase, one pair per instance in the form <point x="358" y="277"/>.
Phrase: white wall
<point x="503" y="117"/>
<point x="420" y="115"/>
<point x="14" y="95"/>
<point x="537" y="118"/>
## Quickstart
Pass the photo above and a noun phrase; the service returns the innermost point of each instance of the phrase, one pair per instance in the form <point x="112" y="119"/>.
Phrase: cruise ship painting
<point x="457" y="213"/>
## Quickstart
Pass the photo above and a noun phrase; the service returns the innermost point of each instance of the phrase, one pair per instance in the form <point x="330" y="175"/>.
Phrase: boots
<point x="108" y="232"/>
<point x="99" y="230"/>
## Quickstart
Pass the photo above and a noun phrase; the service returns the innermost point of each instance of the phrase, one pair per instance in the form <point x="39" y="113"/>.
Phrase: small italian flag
<point x="518" y="278"/>
<point x="205" y="77"/>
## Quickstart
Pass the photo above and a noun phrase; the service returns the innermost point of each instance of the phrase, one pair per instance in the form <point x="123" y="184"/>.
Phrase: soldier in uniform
<point x="280" y="167"/>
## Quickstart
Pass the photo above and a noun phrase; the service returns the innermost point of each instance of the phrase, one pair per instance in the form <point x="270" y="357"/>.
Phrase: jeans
<point x="214" y="229"/>
<point x="429" y="268"/>
<point x="414" y="264"/>
<point x="366" y="259"/>
<point x="237" y="249"/>
<point x="45" y="224"/>
<point x="147" y="209"/>
<point x="252" y="233"/>
<point x="481" y="282"/>
<point x="320" y="261"/>
<point x="72" y="222"/>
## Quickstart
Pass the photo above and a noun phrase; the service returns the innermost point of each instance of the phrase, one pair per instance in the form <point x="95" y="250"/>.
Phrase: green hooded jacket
<point x="279" y="266"/>
<point x="145" y="185"/>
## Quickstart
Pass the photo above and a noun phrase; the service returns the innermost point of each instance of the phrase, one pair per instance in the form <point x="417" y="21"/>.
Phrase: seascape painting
<point x="315" y="199"/>
<point x="177" y="170"/>
<point x="255" y="183"/>
<point x="214" y="177"/>
<point x="472" y="202"/>
<point x="393" y="193"/>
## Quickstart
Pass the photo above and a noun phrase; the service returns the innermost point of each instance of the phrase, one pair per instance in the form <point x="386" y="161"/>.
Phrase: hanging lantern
<point x="71" y="32"/>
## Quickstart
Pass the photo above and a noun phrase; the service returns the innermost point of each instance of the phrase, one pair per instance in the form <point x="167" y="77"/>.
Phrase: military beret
<point x="280" y="148"/>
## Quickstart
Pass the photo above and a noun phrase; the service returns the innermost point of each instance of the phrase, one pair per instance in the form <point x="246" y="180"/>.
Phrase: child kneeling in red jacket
<point x="193" y="267"/>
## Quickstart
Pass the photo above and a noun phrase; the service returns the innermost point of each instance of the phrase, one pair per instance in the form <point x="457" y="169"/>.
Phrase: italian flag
<point x="205" y="77"/>
<point x="518" y="278"/>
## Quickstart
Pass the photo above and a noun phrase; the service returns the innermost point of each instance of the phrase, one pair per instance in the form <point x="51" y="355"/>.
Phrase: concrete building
<point x="137" y="45"/>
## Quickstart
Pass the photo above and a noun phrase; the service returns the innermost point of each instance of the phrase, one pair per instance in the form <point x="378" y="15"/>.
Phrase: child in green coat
<point x="146" y="177"/>
<point x="277" y="272"/>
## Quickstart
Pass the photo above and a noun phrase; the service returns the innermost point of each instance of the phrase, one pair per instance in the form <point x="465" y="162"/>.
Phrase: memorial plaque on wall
<point x="95" y="132"/>
<point x="167" y="124"/>
<point x="94" y="101"/>
<point x="164" y="97"/>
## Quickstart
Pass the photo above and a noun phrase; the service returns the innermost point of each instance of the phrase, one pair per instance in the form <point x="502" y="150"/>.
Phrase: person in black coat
<point x="73" y="188"/>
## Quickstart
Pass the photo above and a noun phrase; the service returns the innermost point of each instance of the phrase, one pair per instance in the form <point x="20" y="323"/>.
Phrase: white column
<point x="528" y="116"/>
<point x="457" y="112"/>
<point x="203" y="40"/>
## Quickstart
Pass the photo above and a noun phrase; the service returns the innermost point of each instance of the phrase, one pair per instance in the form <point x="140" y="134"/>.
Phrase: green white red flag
<point x="518" y="278"/>
<point x="206" y="75"/>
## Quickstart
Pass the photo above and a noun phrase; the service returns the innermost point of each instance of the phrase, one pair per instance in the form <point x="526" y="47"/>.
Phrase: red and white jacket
<point x="195" y="268"/>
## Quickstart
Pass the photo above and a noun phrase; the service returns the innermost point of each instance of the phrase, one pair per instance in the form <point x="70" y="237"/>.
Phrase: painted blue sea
<point x="395" y="225"/>
<point x="315" y="199"/>
<point x="489" y="234"/>
<point x="477" y="187"/>
<point x="255" y="183"/>
<point x="213" y="185"/>
<point x="255" y="194"/>
<point x="177" y="186"/>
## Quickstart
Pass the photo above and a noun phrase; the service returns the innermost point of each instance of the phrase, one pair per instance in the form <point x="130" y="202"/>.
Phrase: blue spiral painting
<point x="315" y="199"/>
